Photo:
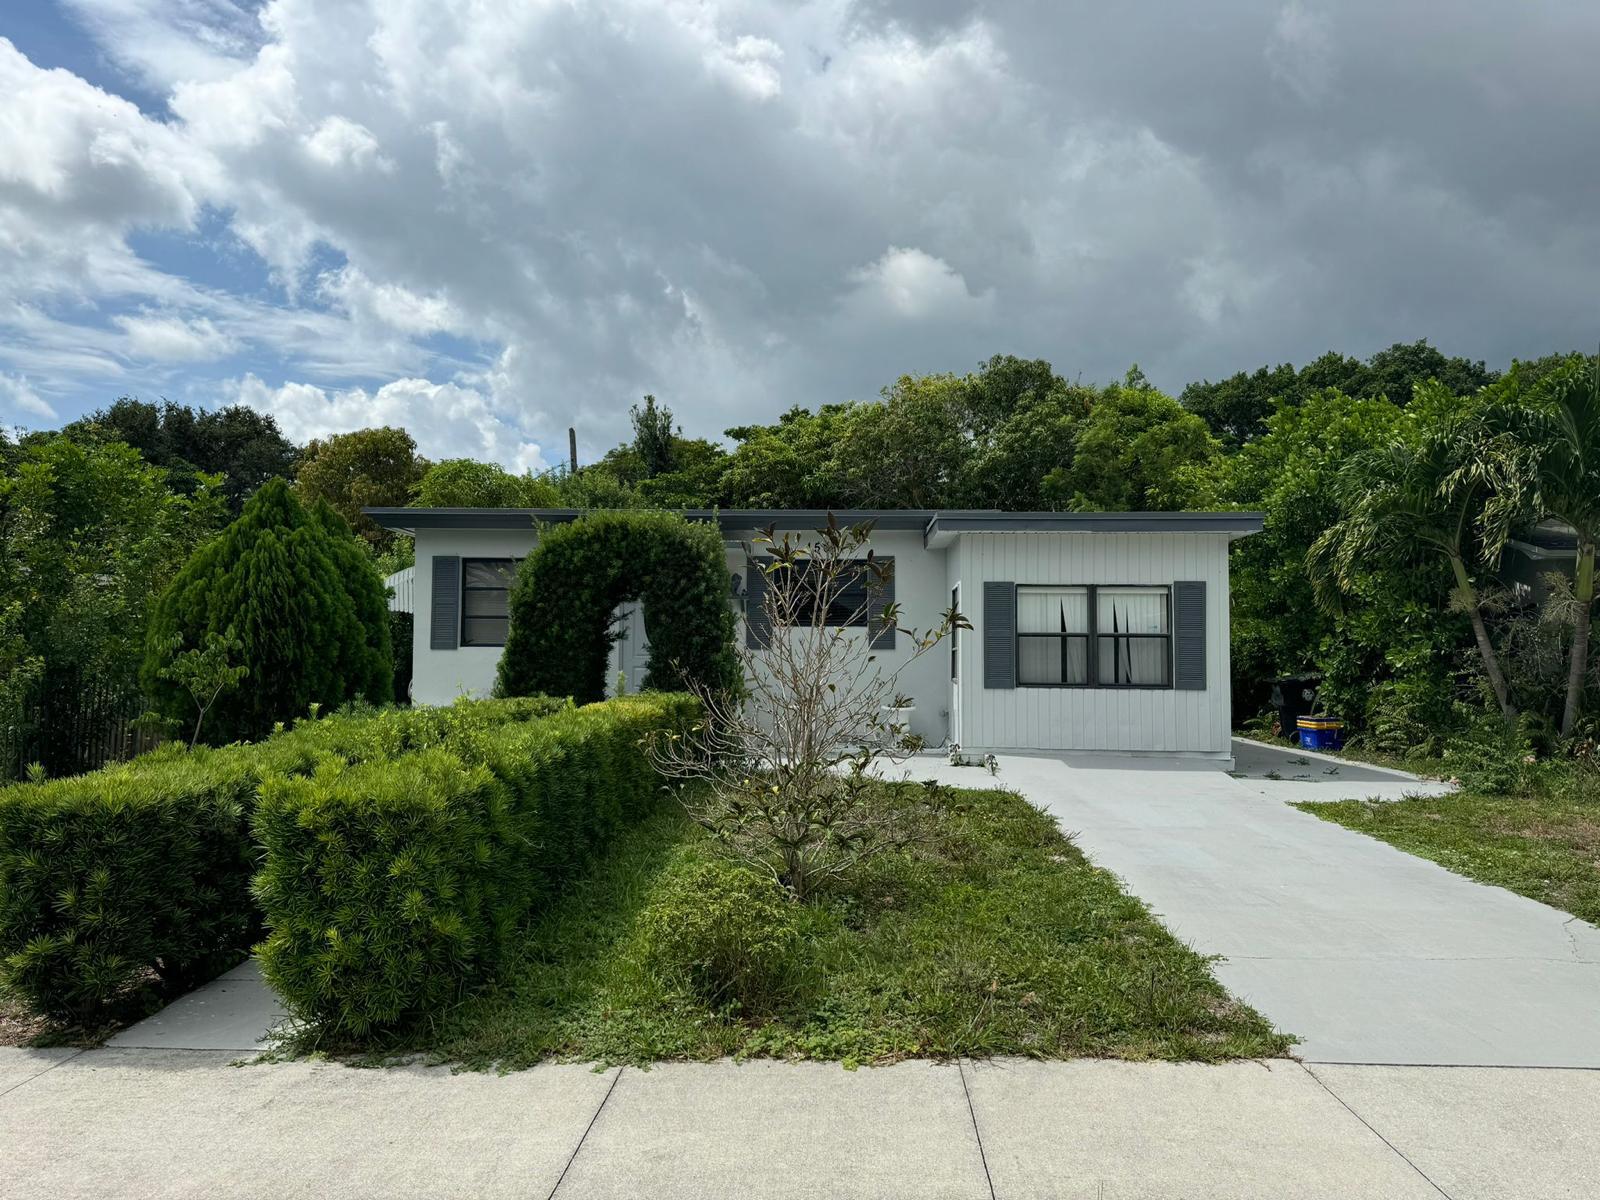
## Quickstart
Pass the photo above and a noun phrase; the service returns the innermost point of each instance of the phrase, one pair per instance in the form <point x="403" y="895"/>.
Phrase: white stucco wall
<point x="919" y="589"/>
<point x="439" y="676"/>
<point x="1134" y="720"/>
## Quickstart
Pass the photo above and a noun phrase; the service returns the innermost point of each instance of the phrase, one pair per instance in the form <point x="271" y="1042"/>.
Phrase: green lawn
<point x="1545" y="846"/>
<point x="992" y="936"/>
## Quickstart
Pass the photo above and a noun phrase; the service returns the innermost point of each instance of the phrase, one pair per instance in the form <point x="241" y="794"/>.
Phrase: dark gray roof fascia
<point x="932" y="522"/>
<point x="1235" y="524"/>
<point x="408" y="520"/>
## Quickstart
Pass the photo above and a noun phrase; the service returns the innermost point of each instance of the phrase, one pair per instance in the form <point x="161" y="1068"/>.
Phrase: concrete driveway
<point x="1366" y="953"/>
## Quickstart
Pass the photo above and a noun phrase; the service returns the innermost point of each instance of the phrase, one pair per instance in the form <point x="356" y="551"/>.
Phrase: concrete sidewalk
<point x="141" y="1123"/>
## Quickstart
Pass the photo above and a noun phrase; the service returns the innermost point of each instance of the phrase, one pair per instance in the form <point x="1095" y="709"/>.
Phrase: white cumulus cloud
<point x="446" y="419"/>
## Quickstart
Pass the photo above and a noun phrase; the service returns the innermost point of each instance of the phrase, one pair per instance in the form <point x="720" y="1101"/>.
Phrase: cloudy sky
<point x="489" y="219"/>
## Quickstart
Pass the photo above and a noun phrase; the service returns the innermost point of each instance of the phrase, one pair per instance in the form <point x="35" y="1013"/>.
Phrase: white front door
<point x="630" y="653"/>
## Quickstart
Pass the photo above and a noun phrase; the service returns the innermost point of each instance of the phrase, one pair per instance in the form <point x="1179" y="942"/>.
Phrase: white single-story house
<point x="1094" y="632"/>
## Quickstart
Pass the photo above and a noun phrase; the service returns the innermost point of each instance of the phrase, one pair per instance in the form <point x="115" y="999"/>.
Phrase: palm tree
<point x="1411" y="503"/>
<point x="1557" y="430"/>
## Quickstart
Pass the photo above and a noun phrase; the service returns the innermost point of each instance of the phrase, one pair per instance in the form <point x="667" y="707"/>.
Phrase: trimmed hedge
<point x="108" y="877"/>
<point x="145" y="868"/>
<point x="391" y="888"/>
<point x="565" y="592"/>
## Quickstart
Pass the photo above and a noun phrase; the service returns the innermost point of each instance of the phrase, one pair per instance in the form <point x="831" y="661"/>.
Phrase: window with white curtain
<point x="1090" y="636"/>
<point x="1134" y="637"/>
<point x="1053" y="636"/>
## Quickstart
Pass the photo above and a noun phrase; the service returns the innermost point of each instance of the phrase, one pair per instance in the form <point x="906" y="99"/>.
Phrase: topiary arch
<point x="561" y="604"/>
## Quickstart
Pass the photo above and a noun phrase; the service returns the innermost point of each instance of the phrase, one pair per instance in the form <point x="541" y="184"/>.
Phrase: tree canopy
<point x="368" y="468"/>
<point x="239" y="443"/>
<point x="301" y="599"/>
<point x="1237" y="408"/>
<point x="466" y="483"/>
<point x="90" y="533"/>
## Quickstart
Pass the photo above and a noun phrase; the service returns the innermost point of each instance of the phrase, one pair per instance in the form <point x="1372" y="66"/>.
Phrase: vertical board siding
<point x="1196" y="721"/>
<point x="444" y="630"/>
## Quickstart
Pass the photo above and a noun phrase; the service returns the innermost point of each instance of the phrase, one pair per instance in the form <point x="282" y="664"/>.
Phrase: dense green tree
<point x="595" y="486"/>
<point x="1410" y="502"/>
<point x="1399" y="370"/>
<point x="1130" y="452"/>
<point x="654" y="437"/>
<point x="1548" y="457"/>
<point x="792" y="464"/>
<point x="304" y="602"/>
<point x="1004" y="386"/>
<point x="239" y="443"/>
<point x="1291" y="476"/>
<point x="465" y="483"/>
<point x="909" y="451"/>
<point x="89" y="534"/>
<point x="695" y="480"/>
<point x="368" y="468"/>
<point x="1237" y="407"/>
<point x="1035" y="442"/>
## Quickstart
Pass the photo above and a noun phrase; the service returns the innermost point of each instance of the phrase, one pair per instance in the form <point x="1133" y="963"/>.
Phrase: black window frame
<point x="512" y="564"/>
<point x="1093" y="637"/>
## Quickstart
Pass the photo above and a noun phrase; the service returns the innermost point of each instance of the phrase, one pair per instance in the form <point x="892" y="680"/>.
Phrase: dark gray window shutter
<point x="757" y="626"/>
<point x="1189" y="636"/>
<point x="444" y="633"/>
<point x="999" y="635"/>
<point x="882" y="595"/>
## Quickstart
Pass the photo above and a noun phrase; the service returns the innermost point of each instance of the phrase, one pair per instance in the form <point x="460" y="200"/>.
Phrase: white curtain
<point x="1052" y="610"/>
<point x="1135" y="661"/>
<point x="1132" y="610"/>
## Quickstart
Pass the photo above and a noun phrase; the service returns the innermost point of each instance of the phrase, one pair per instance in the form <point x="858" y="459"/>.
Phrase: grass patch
<point x="1545" y="846"/>
<point x="993" y="935"/>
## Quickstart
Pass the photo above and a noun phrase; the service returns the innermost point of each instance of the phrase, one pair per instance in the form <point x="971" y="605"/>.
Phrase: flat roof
<point x="938" y="526"/>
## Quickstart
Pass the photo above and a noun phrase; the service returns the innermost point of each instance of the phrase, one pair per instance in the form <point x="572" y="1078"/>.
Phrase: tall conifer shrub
<point x="305" y="602"/>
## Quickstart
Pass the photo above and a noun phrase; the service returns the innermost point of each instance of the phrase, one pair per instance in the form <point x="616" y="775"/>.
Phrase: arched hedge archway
<point x="561" y="603"/>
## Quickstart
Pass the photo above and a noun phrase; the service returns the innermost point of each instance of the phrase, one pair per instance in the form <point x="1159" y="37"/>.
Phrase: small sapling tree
<point x="204" y="672"/>
<point x="783" y="772"/>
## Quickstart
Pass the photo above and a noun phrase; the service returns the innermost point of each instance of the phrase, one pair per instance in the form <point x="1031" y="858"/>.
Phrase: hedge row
<point x="144" y="869"/>
<point x="390" y="888"/>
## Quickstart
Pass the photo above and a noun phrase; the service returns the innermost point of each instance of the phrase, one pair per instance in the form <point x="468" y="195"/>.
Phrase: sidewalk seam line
<point x="1323" y="1084"/>
<point x="972" y="1113"/>
<point x="571" y="1158"/>
<point x="60" y="1062"/>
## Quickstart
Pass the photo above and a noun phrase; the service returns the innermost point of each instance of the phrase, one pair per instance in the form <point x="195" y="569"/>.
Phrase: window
<point x="485" y="583"/>
<point x="1094" y="637"/>
<point x="1053" y="636"/>
<point x="856" y="602"/>
<point x="1135" y="638"/>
